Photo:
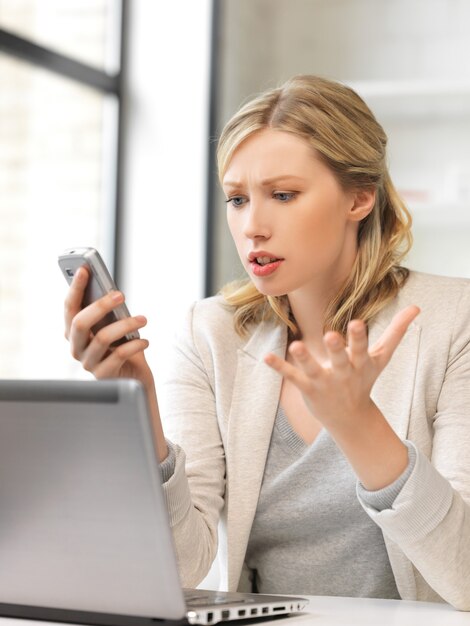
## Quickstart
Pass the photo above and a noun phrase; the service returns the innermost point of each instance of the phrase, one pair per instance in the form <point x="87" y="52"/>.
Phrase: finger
<point x="358" y="343"/>
<point x="102" y="342"/>
<point x="386" y="345"/>
<point x="304" y="359"/>
<point x="74" y="298"/>
<point x="79" y="334"/>
<point x="289" y="371"/>
<point x="112" y="365"/>
<point x="336" y="349"/>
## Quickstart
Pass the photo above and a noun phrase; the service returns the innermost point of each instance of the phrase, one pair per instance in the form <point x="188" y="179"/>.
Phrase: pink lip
<point x="265" y="270"/>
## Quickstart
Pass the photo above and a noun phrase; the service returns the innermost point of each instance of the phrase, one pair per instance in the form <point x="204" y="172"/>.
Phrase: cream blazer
<point x="219" y="405"/>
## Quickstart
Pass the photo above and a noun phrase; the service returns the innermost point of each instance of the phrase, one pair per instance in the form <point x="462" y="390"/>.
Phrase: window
<point x="59" y="120"/>
<point x="85" y="30"/>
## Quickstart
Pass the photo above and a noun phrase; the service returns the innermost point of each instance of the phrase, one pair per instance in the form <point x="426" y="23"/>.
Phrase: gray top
<point x="310" y="534"/>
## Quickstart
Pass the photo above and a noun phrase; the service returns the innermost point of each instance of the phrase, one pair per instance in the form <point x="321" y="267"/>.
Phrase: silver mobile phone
<point x="100" y="283"/>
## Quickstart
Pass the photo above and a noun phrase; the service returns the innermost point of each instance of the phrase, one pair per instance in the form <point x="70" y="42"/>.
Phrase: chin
<point x="269" y="290"/>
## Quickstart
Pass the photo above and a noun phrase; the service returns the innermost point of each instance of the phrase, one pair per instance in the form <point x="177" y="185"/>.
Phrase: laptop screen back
<point x="83" y="523"/>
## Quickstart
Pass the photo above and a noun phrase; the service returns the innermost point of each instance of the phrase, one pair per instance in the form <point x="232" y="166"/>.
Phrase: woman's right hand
<point x="95" y="352"/>
<point x="98" y="356"/>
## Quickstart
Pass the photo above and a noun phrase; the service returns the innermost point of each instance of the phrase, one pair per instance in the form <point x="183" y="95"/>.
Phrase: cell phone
<point x="100" y="283"/>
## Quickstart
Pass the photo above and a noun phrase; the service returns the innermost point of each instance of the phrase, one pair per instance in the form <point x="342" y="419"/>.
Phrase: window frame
<point x="27" y="50"/>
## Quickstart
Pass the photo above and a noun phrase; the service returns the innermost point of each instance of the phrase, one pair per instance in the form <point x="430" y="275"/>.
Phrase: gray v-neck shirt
<point x="310" y="534"/>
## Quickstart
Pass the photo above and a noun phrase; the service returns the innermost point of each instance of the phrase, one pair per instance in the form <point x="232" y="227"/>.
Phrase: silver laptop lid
<point x="83" y="523"/>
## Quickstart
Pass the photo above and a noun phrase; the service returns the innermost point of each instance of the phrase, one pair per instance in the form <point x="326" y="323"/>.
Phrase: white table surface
<point x="334" y="611"/>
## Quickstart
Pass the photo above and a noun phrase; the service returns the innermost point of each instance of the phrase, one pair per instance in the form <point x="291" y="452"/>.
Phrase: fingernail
<point x="116" y="296"/>
<point x="141" y="319"/>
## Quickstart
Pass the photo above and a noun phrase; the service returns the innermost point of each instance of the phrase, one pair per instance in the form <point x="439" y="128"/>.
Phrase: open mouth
<point x="264" y="260"/>
<point x="265" y="266"/>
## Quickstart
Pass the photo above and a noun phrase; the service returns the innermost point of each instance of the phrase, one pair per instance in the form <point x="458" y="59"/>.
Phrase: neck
<point x="310" y="302"/>
<point x="308" y="306"/>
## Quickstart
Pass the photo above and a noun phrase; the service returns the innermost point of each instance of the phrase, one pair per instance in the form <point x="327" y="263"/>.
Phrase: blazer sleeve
<point x="430" y="518"/>
<point x="195" y="491"/>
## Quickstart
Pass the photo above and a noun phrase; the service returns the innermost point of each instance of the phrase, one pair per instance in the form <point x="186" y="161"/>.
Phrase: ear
<point x="363" y="203"/>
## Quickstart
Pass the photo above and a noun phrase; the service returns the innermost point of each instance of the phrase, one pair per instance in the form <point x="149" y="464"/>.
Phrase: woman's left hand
<point x="339" y="392"/>
<point x="338" y="395"/>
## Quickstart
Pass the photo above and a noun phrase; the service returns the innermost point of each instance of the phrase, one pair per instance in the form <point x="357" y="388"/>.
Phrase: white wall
<point x="166" y="147"/>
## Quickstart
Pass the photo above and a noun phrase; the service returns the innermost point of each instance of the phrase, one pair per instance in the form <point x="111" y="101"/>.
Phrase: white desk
<point x="331" y="611"/>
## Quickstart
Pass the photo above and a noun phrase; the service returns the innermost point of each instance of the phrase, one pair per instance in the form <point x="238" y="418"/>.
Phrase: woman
<point x="317" y="415"/>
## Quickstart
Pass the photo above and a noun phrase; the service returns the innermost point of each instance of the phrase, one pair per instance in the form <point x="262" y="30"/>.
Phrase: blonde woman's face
<point x="293" y="225"/>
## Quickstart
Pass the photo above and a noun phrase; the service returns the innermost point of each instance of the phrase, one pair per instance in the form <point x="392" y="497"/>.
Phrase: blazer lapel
<point x="393" y="390"/>
<point x="255" y="400"/>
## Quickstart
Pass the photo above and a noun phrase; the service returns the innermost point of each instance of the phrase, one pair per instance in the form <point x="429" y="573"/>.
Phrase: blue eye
<point x="236" y="201"/>
<point x="284" y="196"/>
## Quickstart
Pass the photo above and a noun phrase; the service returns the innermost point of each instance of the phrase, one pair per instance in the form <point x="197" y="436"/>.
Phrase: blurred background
<point x="109" y="114"/>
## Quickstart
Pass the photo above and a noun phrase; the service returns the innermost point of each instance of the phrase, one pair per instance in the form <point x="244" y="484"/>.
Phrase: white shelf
<point x="415" y="99"/>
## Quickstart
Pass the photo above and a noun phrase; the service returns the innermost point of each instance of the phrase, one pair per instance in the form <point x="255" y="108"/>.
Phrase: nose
<point x="257" y="223"/>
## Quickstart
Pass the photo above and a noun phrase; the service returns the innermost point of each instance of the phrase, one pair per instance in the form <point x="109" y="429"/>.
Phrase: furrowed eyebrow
<point x="232" y="185"/>
<point x="280" y="179"/>
<point x="265" y="183"/>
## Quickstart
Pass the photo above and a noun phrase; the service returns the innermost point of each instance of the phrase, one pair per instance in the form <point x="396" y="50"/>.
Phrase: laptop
<point x="84" y="530"/>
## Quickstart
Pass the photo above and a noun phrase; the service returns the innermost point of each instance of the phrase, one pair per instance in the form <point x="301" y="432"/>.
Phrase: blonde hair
<point x="338" y="124"/>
